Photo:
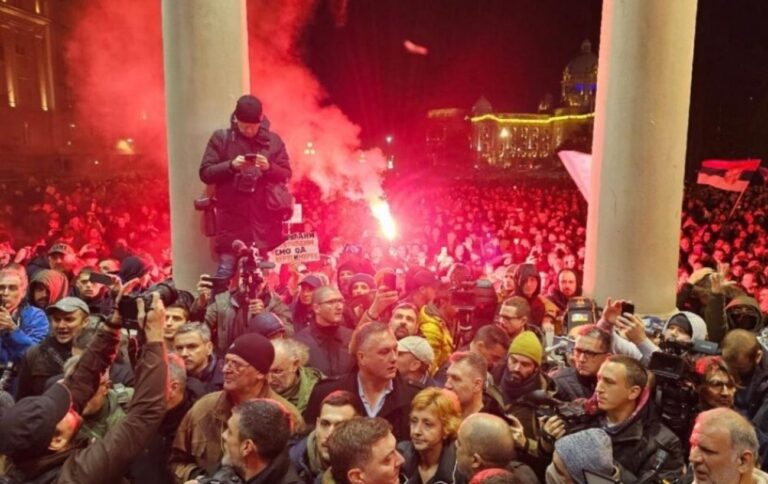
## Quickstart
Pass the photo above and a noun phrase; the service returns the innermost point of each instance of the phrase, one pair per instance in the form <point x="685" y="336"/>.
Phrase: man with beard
<point x="567" y="287"/>
<point x="255" y="444"/>
<point x="47" y="287"/>
<point x="21" y="325"/>
<point x="405" y="320"/>
<point x="67" y="318"/>
<point x="591" y="348"/>
<point x="520" y="377"/>
<point x="326" y="338"/>
<point x="376" y="385"/>
<point x="310" y="456"/>
<point x="289" y="376"/>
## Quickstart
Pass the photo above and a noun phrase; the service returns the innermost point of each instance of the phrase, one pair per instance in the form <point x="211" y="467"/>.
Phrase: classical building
<point x="519" y="140"/>
<point x="35" y="107"/>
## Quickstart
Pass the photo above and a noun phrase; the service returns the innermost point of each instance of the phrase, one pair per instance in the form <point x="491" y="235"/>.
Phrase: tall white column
<point x="205" y="51"/>
<point x="641" y="125"/>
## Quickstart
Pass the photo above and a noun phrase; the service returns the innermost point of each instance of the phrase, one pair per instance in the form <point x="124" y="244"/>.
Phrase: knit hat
<point x="256" y="349"/>
<point x="266" y="324"/>
<point x="589" y="450"/>
<point x="680" y="321"/>
<point x="248" y="109"/>
<point x="527" y="344"/>
<point x="418" y="347"/>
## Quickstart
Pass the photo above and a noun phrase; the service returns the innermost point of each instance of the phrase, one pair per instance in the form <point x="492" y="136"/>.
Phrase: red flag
<point x="730" y="175"/>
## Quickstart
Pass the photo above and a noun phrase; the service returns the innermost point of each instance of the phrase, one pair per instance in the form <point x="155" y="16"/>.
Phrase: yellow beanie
<point x="527" y="344"/>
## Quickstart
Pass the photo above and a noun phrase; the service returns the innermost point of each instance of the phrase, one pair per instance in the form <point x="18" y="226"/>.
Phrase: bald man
<point x="325" y="336"/>
<point x="724" y="449"/>
<point x="485" y="441"/>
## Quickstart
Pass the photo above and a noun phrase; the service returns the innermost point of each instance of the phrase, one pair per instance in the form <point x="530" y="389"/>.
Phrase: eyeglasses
<point x="587" y="353"/>
<point x="234" y="365"/>
<point x="507" y="319"/>
<point x="332" y="302"/>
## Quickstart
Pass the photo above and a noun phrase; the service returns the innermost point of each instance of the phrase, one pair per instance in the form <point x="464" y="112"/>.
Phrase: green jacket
<point x="113" y="411"/>
<point x="299" y="394"/>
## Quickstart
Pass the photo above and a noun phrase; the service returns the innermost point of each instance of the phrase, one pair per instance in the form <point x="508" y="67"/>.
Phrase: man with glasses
<point x="591" y="349"/>
<point x="326" y="336"/>
<point x="514" y="316"/>
<point x="197" y="447"/>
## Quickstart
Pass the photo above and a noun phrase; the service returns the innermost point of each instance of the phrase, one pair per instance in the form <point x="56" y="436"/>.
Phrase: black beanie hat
<point x="248" y="109"/>
<point x="256" y="349"/>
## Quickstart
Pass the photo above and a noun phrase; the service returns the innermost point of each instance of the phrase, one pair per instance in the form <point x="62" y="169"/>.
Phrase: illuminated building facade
<point x="519" y="140"/>
<point x="33" y="95"/>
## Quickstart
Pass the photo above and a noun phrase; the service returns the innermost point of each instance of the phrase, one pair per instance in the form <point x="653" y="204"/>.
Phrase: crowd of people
<point x="461" y="352"/>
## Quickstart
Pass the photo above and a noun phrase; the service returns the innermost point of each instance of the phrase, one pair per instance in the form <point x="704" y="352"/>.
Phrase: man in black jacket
<point x="255" y="444"/>
<point x="640" y="441"/>
<point x="591" y="348"/>
<point x="242" y="162"/>
<point x="377" y="387"/>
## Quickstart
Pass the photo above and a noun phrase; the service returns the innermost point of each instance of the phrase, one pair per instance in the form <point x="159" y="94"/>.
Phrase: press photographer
<point x="248" y="166"/>
<point x="229" y="313"/>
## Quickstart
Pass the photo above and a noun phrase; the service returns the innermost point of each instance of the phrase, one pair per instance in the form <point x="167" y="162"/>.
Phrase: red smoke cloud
<point x="115" y="64"/>
<point x="115" y="70"/>
<point x="298" y="108"/>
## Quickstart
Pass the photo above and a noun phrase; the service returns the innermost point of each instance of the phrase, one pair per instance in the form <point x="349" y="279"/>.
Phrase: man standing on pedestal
<point x="244" y="162"/>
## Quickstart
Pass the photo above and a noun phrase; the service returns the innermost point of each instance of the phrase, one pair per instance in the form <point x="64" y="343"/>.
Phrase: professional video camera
<point x="252" y="267"/>
<point x="475" y="304"/>
<point x="574" y="414"/>
<point x="676" y="394"/>
<point x="580" y="311"/>
<point x="128" y="310"/>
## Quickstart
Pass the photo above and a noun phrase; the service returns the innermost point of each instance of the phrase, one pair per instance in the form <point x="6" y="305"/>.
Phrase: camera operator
<point x="242" y="162"/>
<point x="229" y="311"/>
<point x="641" y="443"/>
<point x="39" y="433"/>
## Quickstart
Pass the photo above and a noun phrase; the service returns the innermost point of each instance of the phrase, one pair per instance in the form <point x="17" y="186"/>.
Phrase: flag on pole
<point x="579" y="166"/>
<point x="730" y="175"/>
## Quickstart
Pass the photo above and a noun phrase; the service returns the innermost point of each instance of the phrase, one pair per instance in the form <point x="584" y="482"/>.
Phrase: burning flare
<point x="380" y="210"/>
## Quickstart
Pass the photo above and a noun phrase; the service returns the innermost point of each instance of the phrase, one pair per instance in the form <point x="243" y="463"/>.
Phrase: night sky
<point x="514" y="52"/>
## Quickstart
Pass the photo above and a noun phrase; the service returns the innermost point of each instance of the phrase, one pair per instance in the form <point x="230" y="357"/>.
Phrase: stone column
<point x="205" y="51"/>
<point x="641" y="125"/>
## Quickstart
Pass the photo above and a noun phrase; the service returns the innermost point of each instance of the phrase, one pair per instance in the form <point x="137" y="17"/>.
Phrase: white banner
<point x="299" y="247"/>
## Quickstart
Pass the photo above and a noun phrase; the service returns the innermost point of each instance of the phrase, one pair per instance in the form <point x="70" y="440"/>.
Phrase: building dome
<point x="583" y="64"/>
<point x="482" y="107"/>
<point x="579" y="82"/>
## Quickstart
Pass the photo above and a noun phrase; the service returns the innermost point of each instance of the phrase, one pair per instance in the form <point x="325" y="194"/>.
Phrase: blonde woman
<point x="430" y="454"/>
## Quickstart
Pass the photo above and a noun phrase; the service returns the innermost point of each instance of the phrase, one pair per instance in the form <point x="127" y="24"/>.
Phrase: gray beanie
<point x="590" y="450"/>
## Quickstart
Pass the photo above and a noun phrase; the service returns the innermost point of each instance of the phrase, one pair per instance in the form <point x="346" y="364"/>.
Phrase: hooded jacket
<point x="54" y="281"/>
<point x="242" y="215"/>
<point x="752" y="307"/>
<point x="32" y="328"/>
<point x="522" y="273"/>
